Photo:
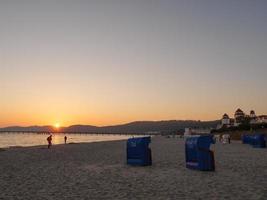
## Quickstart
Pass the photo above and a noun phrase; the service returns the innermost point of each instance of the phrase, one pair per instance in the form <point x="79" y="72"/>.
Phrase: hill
<point x="156" y="127"/>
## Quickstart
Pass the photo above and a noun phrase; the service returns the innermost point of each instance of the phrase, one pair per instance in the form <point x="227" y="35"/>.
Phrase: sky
<point x="104" y="62"/>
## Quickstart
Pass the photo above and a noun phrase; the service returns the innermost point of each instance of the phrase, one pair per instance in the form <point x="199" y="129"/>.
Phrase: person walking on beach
<point x="49" y="140"/>
<point x="65" y="138"/>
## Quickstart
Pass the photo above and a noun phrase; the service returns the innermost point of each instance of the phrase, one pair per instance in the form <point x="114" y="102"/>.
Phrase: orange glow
<point x="57" y="125"/>
<point x="182" y="69"/>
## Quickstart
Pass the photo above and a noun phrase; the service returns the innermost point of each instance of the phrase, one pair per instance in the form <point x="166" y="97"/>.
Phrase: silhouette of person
<point x="65" y="138"/>
<point x="49" y="140"/>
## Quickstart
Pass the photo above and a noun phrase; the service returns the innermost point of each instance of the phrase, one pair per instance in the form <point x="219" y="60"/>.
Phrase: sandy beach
<point x="98" y="171"/>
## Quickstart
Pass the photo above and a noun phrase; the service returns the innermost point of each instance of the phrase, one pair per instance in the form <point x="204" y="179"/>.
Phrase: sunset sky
<point x="105" y="62"/>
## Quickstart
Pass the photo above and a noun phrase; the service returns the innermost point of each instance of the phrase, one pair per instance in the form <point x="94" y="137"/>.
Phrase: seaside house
<point x="239" y="118"/>
<point x="261" y="119"/>
<point x="226" y="122"/>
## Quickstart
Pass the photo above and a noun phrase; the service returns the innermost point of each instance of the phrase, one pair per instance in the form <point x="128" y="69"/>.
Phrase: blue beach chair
<point x="259" y="141"/>
<point x="256" y="140"/>
<point x="246" y="139"/>
<point x="138" y="151"/>
<point x="197" y="153"/>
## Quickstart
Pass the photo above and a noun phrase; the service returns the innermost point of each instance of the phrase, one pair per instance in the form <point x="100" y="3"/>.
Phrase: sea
<point x="33" y="139"/>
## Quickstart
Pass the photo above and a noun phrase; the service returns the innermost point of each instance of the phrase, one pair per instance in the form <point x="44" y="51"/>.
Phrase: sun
<point x="57" y="125"/>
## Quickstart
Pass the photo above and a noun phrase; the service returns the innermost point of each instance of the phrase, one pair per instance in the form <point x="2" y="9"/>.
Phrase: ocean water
<point x="33" y="139"/>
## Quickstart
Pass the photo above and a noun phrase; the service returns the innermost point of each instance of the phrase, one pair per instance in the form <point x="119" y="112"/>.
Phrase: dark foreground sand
<point x="98" y="171"/>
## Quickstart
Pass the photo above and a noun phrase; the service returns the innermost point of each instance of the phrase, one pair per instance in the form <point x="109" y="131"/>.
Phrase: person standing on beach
<point x="65" y="138"/>
<point x="49" y="140"/>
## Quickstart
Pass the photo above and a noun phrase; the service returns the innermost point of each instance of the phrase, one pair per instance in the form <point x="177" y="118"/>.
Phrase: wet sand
<point x="98" y="171"/>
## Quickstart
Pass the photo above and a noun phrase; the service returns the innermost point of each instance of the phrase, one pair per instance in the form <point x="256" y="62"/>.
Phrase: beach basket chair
<point x="197" y="153"/>
<point x="259" y="141"/>
<point x="246" y="139"/>
<point x="255" y="140"/>
<point x="138" y="151"/>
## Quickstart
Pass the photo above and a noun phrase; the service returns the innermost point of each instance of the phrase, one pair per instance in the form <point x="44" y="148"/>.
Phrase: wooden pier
<point x="73" y="132"/>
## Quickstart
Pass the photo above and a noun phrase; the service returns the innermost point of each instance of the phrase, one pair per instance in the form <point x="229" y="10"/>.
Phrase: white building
<point x="259" y="120"/>
<point x="254" y="119"/>
<point x="252" y="114"/>
<point x="226" y="121"/>
<point x="239" y="116"/>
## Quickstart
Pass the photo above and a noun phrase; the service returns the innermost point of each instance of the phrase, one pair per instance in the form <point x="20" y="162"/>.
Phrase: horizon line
<point x="108" y="125"/>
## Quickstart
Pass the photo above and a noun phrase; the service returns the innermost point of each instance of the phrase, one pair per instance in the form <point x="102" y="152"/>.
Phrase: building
<point x="252" y="114"/>
<point x="239" y="117"/>
<point x="239" y="113"/>
<point x="259" y="119"/>
<point x="225" y="120"/>
<point x="253" y="117"/>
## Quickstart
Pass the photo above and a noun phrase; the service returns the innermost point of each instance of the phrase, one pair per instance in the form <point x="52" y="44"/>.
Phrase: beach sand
<point x="98" y="171"/>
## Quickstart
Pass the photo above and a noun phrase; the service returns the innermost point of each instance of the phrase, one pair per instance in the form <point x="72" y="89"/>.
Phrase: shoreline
<point x="55" y="145"/>
<point x="28" y="140"/>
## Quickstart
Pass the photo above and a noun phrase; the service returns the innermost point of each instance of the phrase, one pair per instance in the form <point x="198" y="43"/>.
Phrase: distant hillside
<point x="29" y="128"/>
<point x="133" y="127"/>
<point x="159" y="126"/>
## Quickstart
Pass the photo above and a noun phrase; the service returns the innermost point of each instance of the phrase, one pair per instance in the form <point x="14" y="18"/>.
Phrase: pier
<point x="73" y="132"/>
